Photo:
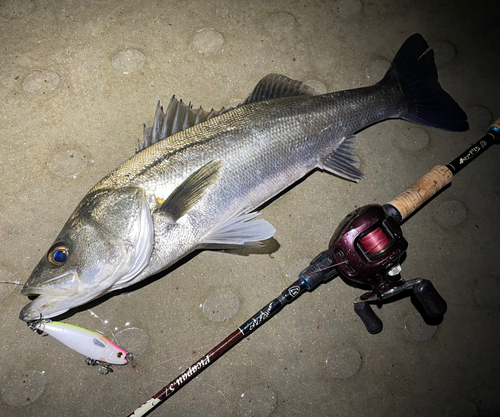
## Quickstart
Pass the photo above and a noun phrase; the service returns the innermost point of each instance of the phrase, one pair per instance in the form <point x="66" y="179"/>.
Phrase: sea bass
<point x="198" y="176"/>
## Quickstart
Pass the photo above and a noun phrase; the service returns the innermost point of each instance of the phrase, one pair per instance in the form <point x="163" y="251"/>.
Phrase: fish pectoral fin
<point x="274" y="86"/>
<point x="239" y="231"/>
<point x="186" y="195"/>
<point x="343" y="162"/>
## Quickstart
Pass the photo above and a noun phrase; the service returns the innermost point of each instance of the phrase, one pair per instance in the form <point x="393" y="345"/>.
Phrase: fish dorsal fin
<point x="343" y="162"/>
<point x="178" y="117"/>
<point x="186" y="195"/>
<point x="274" y="86"/>
<point x="238" y="231"/>
<point x="181" y="116"/>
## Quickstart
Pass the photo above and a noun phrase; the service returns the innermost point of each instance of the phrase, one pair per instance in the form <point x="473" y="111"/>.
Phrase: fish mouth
<point x="53" y="298"/>
<point x="44" y="306"/>
<point x="65" y="284"/>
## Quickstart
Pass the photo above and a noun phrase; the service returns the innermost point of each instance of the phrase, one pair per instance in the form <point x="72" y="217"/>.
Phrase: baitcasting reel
<point x="367" y="248"/>
<point x="368" y="244"/>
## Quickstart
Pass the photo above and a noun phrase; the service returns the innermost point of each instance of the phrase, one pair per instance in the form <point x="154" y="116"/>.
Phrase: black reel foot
<point x="431" y="303"/>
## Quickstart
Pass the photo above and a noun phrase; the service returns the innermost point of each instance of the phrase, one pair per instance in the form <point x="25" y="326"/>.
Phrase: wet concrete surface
<point x="78" y="79"/>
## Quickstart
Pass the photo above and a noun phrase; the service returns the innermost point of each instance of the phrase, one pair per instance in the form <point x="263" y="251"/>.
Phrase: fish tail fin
<point x="428" y="104"/>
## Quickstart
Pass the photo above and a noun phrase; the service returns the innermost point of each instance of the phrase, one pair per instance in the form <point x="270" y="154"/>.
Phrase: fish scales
<point x="268" y="138"/>
<point x="266" y="147"/>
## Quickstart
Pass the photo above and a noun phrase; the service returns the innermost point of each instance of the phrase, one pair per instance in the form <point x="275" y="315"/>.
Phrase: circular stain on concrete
<point x="462" y="409"/>
<point x="417" y="329"/>
<point x="208" y="41"/>
<point x="377" y="69"/>
<point x="133" y="340"/>
<point x="128" y="61"/>
<point x="23" y="387"/>
<point x="414" y="140"/>
<point x="280" y="22"/>
<point x="68" y="163"/>
<point x="318" y="86"/>
<point x="479" y="118"/>
<point x="41" y="83"/>
<point x="257" y="402"/>
<point x="450" y="214"/>
<point x="8" y="283"/>
<point x="16" y="9"/>
<point x="443" y="52"/>
<point x="343" y="363"/>
<point x="487" y="291"/>
<point x="221" y="306"/>
<point x="347" y="8"/>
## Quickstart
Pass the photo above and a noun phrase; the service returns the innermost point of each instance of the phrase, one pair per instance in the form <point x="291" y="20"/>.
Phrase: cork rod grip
<point x="412" y="198"/>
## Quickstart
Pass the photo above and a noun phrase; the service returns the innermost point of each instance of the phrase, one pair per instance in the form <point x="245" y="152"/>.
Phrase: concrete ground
<point x="78" y="79"/>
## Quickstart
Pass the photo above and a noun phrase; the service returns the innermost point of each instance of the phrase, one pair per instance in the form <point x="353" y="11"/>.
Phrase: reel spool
<point x="370" y="244"/>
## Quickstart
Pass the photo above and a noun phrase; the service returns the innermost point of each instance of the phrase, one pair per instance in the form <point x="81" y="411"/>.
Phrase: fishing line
<point x="10" y="282"/>
<point x="375" y="241"/>
<point x="193" y="351"/>
<point x="324" y="269"/>
<point x="105" y="322"/>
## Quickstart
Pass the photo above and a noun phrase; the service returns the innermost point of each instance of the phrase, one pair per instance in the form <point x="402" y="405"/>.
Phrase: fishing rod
<point x="366" y="248"/>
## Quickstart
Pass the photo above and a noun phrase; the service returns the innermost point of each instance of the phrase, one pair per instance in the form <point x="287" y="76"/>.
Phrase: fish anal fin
<point x="187" y="194"/>
<point x="344" y="161"/>
<point x="238" y="231"/>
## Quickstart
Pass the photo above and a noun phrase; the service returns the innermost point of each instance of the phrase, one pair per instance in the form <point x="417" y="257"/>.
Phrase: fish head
<point x="105" y="243"/>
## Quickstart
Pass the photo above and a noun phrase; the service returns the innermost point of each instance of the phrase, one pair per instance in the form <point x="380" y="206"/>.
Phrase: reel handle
<point x="371" y="321"/>
<point x="430" y="300"/>
<point x="440" y="176"/>
<point x="432" y="304"/>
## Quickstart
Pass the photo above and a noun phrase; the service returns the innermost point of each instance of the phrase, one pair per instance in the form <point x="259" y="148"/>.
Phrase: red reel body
<point x="370" y="244"/>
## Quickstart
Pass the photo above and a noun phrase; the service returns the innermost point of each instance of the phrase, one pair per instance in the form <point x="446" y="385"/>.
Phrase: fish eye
<point x="58" y="255"/>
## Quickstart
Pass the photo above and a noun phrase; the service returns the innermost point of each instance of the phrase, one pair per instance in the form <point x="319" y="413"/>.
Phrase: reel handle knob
<point x="430" y="300"/>
<point x="371" y="321"/>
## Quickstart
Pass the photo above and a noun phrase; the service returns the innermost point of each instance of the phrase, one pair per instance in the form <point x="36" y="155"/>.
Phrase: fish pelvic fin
<point x="428" y="104"/>
<point x="344" y="162"/>
<point x="186" y="195"/>
<point x="238" y="231"/>
<point x="275" y="86"/>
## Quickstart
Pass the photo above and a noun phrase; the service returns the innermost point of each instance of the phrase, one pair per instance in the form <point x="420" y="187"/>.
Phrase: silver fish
<point x="198" y="176"/>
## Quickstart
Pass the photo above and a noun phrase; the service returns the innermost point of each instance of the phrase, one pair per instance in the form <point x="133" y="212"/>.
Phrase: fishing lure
<point x="97" y="349"/>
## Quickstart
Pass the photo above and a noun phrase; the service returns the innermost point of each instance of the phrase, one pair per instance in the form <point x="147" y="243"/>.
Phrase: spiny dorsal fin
<point x="343" y="162"/>
<point x="186" y="195"/>
<point x="177" y="118"/>
<point x="274" y="86"/>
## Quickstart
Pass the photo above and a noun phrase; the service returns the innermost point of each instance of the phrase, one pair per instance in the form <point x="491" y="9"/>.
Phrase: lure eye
<point x="119" y="354"/>
<point x="59" y="255"/>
